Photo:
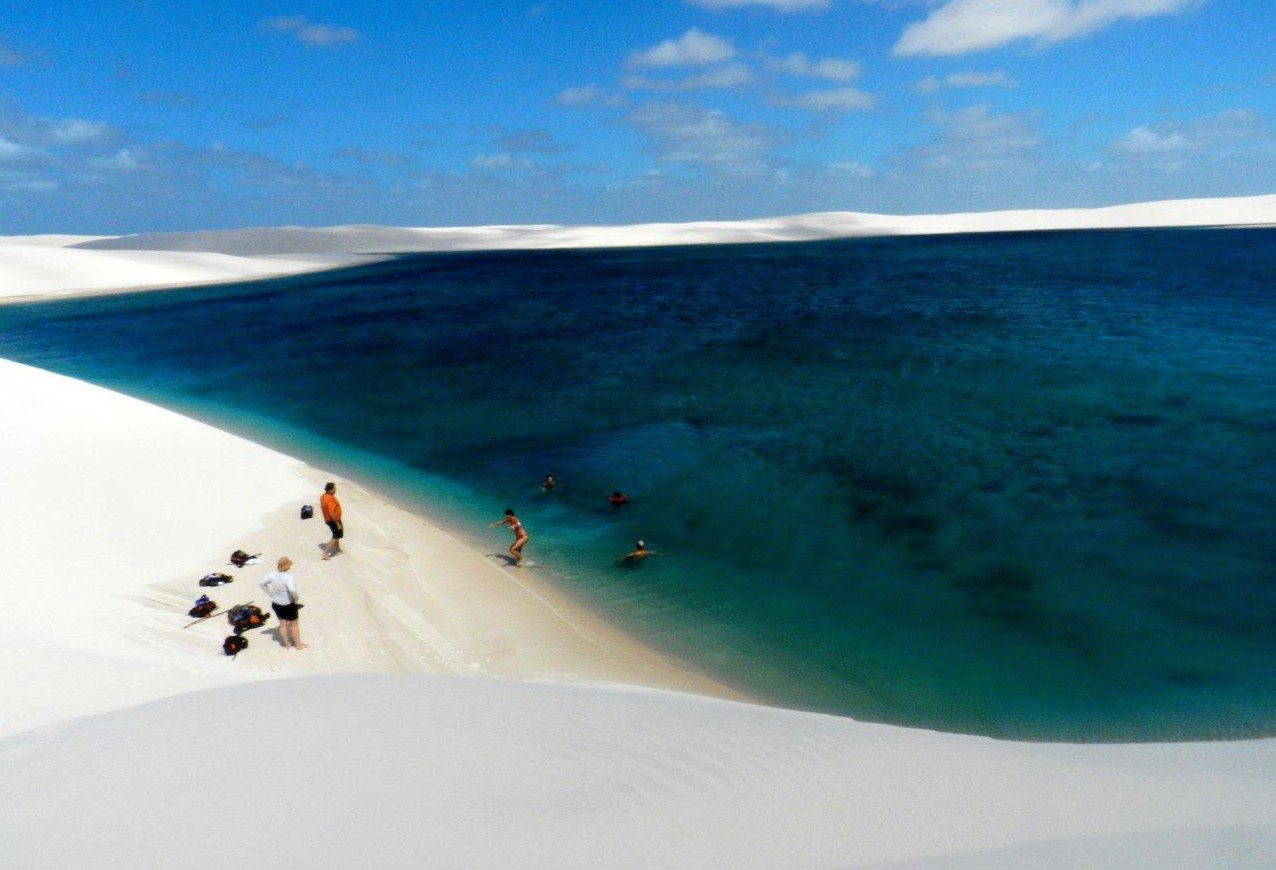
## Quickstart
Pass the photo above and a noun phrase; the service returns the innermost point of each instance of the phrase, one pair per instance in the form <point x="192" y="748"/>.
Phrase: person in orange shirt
<point x="332" y="516"/>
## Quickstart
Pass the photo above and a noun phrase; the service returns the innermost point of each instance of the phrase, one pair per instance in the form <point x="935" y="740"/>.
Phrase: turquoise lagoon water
<point x="1021" y="485"/>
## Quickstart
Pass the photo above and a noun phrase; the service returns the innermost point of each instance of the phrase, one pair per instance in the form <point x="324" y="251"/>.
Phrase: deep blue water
<point x="1020" y="485"/>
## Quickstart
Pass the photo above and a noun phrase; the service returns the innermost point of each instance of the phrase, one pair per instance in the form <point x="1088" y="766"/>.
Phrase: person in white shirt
<point x="282" y="589"/>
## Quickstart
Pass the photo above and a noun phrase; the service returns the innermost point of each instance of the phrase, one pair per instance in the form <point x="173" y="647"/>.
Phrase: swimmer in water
<point x="547" y="485"/>
<point x="617" y="498"/>
<point x="639" y="553"/>
<point x="520" y="535"/>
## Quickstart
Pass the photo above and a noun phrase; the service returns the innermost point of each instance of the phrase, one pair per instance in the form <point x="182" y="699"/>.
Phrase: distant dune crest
<point x="369" y="239"/>
<point x="33" y="266"/>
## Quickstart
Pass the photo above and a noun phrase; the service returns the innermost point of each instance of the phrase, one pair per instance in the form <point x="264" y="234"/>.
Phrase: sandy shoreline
<point x="450" y="711"/>
<point x="134" y="529"/>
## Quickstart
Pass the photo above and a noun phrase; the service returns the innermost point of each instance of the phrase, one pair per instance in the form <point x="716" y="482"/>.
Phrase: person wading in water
<point x="520" y="535"/>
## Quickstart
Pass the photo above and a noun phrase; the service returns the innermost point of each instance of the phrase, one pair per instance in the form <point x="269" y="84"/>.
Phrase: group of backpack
<point x="242" y="617"/>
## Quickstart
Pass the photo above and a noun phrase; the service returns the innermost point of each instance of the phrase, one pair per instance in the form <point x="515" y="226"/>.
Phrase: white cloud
<point x="314" y="35"/>
<point x="373" y="158"/>
<point x="777" y="5"/>
<point x="852" y="170"/>
<point x="1145" y="140"/>
<point x="830" y="68"/>
<point x="826" y="100"/>
<point x="588" y="95"/>
<point x="693" y="48"/>
<point x="961" y="26"/>
<point x="834" y="100"/>
<point x="502" y="161"/>
<point x="585" y="95"/>
<point x="12" y="150"/>
<point x="1169" y="145"/>
<point x="536" y="141"/>
<point x="999" y="79"/>
<point x="73" y="131"/>
<point x="124" y="160"/>
<point x="32" y="185"/>
<point x="703" y="137"/>
<point x="975" y="141"/>
<point x="981" y="80"/>
<point x="729" y="76"/>
<point x="171" y="99"/>
<point x="36" y="135"/>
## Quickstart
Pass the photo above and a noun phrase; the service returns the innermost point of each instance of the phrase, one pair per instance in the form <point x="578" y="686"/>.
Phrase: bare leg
<point x="290" y="634"/>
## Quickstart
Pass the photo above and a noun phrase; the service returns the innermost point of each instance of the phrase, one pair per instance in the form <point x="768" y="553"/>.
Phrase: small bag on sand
<point x="245" y="616"/>
<point x="234" y="644"/>
<point x="215" y="579"/>
<point x="239" y="558"/>
<point x="307" y="511"/>
<point x="203" y="607"/>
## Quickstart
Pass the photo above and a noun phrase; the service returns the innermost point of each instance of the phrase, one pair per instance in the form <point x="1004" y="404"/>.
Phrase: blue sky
<point x="134" y="115"/>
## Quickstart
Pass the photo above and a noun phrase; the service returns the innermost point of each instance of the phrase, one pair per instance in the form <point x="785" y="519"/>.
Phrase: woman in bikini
<point x="520" y="535"/>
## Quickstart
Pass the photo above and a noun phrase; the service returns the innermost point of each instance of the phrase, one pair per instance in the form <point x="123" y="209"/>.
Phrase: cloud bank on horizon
<point x="119" y="116"/>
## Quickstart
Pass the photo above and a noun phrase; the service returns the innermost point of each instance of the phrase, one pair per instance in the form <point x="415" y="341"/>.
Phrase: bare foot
<point x="302" y="646"/>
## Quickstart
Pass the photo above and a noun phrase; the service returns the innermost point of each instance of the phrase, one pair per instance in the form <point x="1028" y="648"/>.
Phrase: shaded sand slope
<point x="46" y="268"/>
<point x="447" y="772"/>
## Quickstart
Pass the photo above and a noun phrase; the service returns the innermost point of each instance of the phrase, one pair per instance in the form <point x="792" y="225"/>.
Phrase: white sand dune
<point x="42" y="269"/>
<point x="1237" y="211"/>
<point x="379" y="771"/>
<point x="451" y="712"/>
<point x="71" y="264"/>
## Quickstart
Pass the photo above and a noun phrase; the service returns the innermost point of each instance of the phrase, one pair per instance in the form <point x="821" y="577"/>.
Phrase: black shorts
<point x="286" y="612"/>
<point x="338" y="530"/>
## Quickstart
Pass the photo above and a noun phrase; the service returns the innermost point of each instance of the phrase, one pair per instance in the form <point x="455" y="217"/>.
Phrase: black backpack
<point x="203" y="607"/>
<point x="215" y="579"/>
<point x="239" y="558"/>
<point x="234" y="644"/>
<point x="307" y="511"/>
<point x="245" y="616"/>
